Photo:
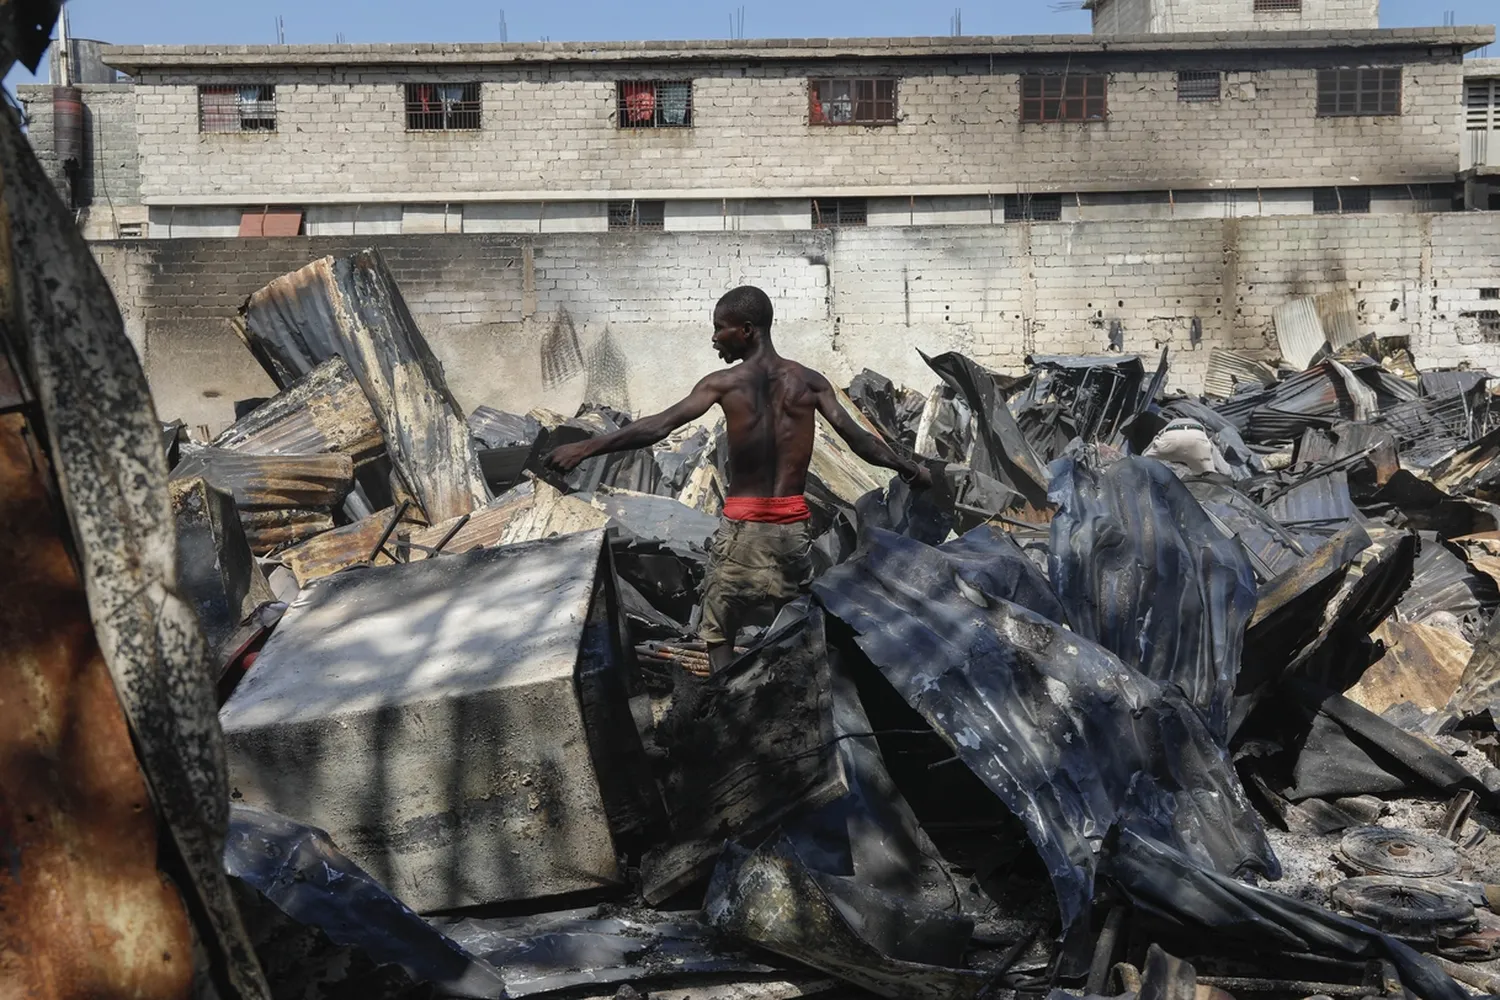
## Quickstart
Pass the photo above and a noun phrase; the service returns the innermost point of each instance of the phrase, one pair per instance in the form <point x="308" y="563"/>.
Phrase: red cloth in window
<point x="816" y="114"/>
<point x="640" y="102"/>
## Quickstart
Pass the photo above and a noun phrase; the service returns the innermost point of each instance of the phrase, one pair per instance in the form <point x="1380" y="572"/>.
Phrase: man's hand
<point x="566" y="458"/>
<point x="922" y="480"/>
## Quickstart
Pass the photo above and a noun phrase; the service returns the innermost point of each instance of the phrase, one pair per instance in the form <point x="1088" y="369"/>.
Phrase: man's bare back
<point x="770" y="406"/>
<point x="769" y="411"/>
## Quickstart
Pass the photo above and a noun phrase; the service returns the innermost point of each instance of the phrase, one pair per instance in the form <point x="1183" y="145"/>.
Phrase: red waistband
<point x="769" y="510"/>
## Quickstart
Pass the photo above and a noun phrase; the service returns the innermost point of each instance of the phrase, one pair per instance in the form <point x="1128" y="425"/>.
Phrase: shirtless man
<point x="761" y="556"/>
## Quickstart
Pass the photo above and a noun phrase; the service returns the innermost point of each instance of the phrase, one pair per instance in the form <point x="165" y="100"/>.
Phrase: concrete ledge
<point x="737" y="194"/>
<point x="133" y="58"/>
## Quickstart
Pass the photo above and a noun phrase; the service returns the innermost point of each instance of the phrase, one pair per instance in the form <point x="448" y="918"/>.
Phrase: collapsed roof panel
<point x="1144" y="572"/>
<point x="1073" y="741"/>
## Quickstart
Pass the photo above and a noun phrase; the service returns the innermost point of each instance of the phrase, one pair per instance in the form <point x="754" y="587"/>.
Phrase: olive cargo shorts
<point x="754" y="569"/>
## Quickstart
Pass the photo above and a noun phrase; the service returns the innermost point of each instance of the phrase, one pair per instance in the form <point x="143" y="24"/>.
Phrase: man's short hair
<point x="748" y="304"/>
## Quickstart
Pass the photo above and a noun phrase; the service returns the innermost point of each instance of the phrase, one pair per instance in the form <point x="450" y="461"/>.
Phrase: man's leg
<point x="719" y="626"/>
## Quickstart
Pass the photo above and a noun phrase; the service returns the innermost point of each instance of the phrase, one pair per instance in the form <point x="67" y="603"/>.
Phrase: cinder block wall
<point x="554" y="132"/>
<point x="847" y="299"/>
<point x="1126" y="17"/>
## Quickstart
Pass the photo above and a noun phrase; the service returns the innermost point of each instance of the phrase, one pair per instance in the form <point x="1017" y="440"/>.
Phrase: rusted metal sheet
<point x="705" y="490"/>
<point x="94" y="413"/>
<point x="549" y="514"/>
<point x="1483" y="553"/>
<point x="1422" y="664"/>
<point x="268" y="530"/>
<point x="351" y="307"/>
<point x="323" y="411"/>
<point x="257" y="481"/>
<point x="326" y="554"/>
<point x="83" y="911"/>
<point x="1472" y="470"/>
<point x="845" y="475"/>
<point x="484" y="527"/>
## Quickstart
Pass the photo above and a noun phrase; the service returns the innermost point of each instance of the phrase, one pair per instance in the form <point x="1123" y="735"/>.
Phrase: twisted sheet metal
<point x="95" y="419"/>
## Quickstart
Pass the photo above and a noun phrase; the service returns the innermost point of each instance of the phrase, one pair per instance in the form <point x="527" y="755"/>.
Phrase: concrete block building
<point x="1136" y="17"/>
<point x="1319" y="113"/>
<point x="1174" y="175"/>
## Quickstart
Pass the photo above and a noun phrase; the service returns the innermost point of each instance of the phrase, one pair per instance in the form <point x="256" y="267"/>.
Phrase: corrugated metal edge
<point x="1338" y="311"/>
<point x="1226" y="369"/>
<point x="1299" y="331"/>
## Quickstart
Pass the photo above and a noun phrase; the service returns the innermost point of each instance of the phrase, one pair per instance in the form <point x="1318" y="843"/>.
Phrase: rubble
<point x="1149" y="694"/>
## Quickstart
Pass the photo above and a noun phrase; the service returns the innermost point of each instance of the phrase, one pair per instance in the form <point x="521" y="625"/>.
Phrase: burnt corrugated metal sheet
<point x="1315" y="398"/>
<point x="271" y="480"/>
<point x="351" y="307"/>
<point x="1299" y="331"/>
<point x="1317" y="506"/>
<point x="1272" y="548"/>
<point x="1338" y="313"/>
<point x="1226" y="369"/>
<point x="324" y="411"/>
<point x="1444" y="582"/>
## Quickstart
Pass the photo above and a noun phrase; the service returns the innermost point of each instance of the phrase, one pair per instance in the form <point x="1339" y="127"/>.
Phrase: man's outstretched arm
<point x="640" y="433"/>
<point x="866" y="445"/>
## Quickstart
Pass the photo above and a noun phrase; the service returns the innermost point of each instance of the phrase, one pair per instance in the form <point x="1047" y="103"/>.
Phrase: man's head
<point x="742" y="319"/>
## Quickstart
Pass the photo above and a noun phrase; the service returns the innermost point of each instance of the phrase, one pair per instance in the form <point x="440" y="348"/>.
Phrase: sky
<point x="190" y="22"/>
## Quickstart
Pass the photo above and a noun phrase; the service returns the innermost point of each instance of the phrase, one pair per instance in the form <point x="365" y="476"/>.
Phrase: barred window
<point x="637" y="214"/>
<point x="1072" y="98"/>
<point x="1199" y="86"/>
<point x="1278" y="6"/>
<point x="833" y="213"/>
<point x="1482" y="105"/>
<point x="1341" y="201"/>
<point x="442" y="107"/>
<point x="237" y="108"/>
<point x="1033" y="207"/>
<point x="844" y="101"/>
<point x="1488" y="321"/>
<point x="1364" y="91"/>
<point x="654" y="104"/>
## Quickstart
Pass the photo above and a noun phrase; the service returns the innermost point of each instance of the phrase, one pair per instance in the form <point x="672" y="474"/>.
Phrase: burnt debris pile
<point x="1150" y="694"/>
